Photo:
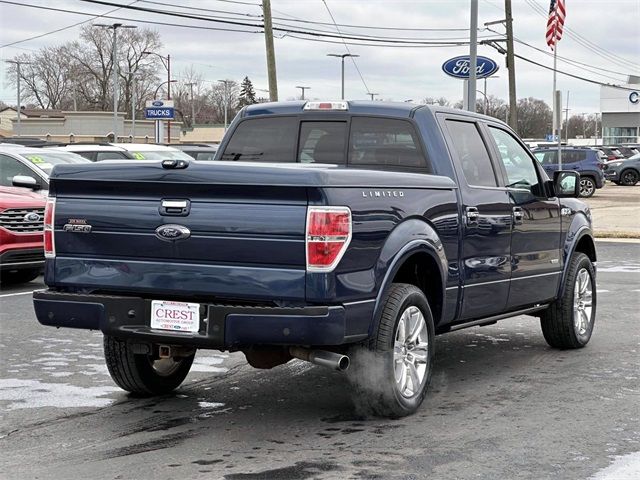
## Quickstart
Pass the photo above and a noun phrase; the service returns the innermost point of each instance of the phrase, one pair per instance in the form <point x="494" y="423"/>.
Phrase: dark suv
<point x="585" y="161"/>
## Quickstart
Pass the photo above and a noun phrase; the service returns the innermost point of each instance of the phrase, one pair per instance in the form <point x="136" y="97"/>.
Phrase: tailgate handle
<point x="176" y="208"/>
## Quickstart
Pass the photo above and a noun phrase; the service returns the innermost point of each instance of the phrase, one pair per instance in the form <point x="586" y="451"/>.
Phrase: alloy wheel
<point x="411" y="352"/>
<point x="582" y="302"/>
<point x="586" y="187"/>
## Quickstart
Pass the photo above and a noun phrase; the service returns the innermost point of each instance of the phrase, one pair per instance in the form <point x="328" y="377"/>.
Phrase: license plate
<point x="175" y="316"/>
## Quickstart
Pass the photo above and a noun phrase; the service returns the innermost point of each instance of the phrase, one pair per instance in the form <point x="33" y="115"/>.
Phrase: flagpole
<point x="556" y="106"/>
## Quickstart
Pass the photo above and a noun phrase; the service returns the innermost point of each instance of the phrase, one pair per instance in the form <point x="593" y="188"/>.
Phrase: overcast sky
<point x="395" y="73"/>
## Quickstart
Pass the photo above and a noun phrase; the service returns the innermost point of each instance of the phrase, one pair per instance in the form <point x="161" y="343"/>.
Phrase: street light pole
<point x="372" y="95"/>
<point x="193" y="114"/>
<point x="303" y="89"/>
<point x="342" y="57"/>
<point x="114" y="72"/>
<point x="226" y="101"/>
<point x="17" y="63"/>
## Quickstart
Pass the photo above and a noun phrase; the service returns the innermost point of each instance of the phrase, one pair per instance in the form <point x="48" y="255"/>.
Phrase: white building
<point x="620" y="109"/>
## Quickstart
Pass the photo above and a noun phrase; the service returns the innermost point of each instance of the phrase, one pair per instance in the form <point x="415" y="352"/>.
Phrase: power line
<point x="366" y="88"/>
<point x="63" y="28"/>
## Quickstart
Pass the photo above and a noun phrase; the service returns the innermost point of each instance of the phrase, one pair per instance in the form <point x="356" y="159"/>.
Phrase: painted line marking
<point x="16" y="294"/>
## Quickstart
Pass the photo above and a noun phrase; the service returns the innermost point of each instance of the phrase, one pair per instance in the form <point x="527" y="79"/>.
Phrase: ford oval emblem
<point x="31" y="217"/>
<point x="458" y="67"/>
<point x="172" y="233"/>
<point x="157" y="103"/>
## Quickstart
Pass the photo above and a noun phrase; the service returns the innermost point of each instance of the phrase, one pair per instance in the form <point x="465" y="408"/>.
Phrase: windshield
<point x="45" y="160"/>
<point x="160" y="155"/>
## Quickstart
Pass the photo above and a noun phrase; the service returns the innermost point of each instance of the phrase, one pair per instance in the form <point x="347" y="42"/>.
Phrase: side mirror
<point x="25" y="181"/>
<point x="566" y="183"/>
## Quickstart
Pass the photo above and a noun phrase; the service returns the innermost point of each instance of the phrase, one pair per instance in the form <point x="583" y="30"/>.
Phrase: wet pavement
<point x="502" y="404"/>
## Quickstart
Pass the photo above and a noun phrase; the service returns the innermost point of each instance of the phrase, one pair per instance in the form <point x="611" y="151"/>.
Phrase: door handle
<point x="472" y="215"/>
<point x="518" y="215"/>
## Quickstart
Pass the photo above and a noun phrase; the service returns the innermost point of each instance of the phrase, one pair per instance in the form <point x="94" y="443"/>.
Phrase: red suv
<point x="21" y="238"/>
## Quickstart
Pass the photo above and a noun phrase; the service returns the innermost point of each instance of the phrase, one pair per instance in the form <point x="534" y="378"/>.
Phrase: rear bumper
<point x="221" y="326"/>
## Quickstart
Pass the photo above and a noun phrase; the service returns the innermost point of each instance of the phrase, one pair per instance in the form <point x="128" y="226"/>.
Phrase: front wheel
<point x="568" y="322"/>
<point x="392" y="372"/>
<point x="141" y="373"/>
<point x="629" y="177"/>
<point x="587" y="187"/>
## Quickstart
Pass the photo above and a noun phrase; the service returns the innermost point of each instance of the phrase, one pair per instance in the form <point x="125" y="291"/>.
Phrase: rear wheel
<point x="392" y="372"/>
<point x="19" y="276"/>
<point x="587" y="187"/>
<point x="141" y="373"/>
<point x="568" y="322"/>
<point x="629" y="177"/>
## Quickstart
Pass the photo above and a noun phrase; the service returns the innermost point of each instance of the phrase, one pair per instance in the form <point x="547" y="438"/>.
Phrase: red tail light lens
<point x="327" y="238"/>
<point x="49" y="215"/>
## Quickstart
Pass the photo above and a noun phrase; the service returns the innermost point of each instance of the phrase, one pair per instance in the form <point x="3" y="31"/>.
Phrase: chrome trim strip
<point x="510" y="279"/>
<point x="359" y="302"/>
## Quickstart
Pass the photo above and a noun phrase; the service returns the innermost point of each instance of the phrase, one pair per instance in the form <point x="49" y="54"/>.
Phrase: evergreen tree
<point x="247" y="93"/>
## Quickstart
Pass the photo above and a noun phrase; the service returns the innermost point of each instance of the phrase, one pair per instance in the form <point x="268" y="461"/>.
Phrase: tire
<point x="629" y="177"/>
<point x="587" y="187"/>
<point x="568" y="322"/>
<point x="385" y="368"/>
<point x="20" y="276"/>
<point x="140" y="374"/>
<point x="616" y="182"/>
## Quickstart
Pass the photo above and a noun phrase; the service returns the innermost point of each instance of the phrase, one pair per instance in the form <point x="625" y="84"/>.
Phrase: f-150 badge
<point x="77" y="225"/>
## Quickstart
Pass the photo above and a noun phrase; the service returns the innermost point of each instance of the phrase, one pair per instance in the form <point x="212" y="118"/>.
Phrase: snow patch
<point x="206" y="364"/>
<point x="210" y="404"/>
<point x="625" y="467"/>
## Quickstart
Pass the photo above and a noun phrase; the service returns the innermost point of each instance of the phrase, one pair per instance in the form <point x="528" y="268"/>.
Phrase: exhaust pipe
<point x="334" y="361"/>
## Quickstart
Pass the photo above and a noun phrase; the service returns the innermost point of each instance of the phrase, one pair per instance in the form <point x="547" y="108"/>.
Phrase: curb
<point x="616" y="234"/>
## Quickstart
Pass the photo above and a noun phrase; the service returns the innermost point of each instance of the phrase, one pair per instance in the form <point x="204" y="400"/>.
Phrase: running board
<point x="495" y="318"/>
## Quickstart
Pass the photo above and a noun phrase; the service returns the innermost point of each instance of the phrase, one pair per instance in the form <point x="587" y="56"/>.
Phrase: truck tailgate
<point x="245" y="241"/>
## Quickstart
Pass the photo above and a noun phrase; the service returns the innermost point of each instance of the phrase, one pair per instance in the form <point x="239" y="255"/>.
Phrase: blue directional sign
<point x="159" y="113"/>
<point x="458" y="67"/>
<point x="550" y="137"/>
<point x="159" y="110"/>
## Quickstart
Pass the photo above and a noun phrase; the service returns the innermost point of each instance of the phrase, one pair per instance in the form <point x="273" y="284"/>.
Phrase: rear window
<point x="263" y="140"/>
<point x="322" y="142"/>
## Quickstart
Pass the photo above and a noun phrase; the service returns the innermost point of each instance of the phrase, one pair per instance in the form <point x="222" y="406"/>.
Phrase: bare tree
<point x="442" y="101"/>
<point x="534" y="118"/>
<point x="581" y="126"/>
<point x="191" y="82"/>
<point x="218" y="100"/>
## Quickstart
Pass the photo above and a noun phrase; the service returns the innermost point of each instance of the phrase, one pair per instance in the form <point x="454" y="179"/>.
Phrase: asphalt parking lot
<point x="502" y="405"/>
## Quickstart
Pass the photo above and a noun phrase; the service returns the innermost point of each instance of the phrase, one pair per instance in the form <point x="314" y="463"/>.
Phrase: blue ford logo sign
<point x="458" y="67"/>
<point x="172" y="233"/>
<point x="157" y="103"/>
<point x="31" y="217"/>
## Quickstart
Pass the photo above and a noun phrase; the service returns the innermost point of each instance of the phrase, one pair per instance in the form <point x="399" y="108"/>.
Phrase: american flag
<point x="555" y="23"/>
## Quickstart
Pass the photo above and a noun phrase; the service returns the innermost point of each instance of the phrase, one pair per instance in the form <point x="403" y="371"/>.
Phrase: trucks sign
<point x="458" y="67"/>
<point x="159" y="110"/>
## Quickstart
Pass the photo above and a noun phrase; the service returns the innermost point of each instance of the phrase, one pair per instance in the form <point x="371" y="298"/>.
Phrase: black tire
<point x="372" y="374"/>
<point x="587" y="187"/>
<point x="136" y="373"/>
<point x="558" y="322"/>
<point x="616" y="182"/>
<point x="19" y="276"/>
<point x="629" y="177"/>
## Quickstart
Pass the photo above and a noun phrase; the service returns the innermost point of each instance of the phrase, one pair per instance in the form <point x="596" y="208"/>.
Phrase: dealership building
<point x="620" y="107"/>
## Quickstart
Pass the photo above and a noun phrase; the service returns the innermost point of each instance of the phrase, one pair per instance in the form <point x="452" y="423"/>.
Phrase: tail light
<point x="327" y="237"/>
<point x="49" y="215"/>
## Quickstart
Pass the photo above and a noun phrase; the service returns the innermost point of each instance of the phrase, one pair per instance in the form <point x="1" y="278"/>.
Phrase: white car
<point x="97" y="151"/>
<point x="151" y="151"/>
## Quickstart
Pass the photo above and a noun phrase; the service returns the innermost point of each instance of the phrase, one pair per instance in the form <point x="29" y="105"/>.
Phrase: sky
<point x="398" y="74"/>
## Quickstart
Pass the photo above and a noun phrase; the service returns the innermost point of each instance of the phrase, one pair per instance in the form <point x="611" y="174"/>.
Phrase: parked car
<point x="337" y="231"/>
<point x="151" y="151"/>
<point x="21" y="240"/>
<point x="624" y="172"/>
<point x="97" y="152"/>
<point x="626" y="151"/>
<point x="198" y="151"/>
<point x="585" y="161"/>
<point x="27" y="167"/>
<point x="611" y="154"/>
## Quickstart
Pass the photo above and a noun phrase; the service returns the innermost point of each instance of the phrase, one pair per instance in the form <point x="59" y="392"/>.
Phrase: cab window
<point x="519" y="167"/>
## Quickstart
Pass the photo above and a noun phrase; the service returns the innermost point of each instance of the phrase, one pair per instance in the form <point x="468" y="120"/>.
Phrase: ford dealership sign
<point x="159" y="110"/>
<point x="458" y="67"/>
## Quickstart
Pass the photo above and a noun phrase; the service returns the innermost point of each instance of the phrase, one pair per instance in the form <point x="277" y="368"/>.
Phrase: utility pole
<point x="511" y="66"/>
<point x="114" y="71"/>
<point x="372" y="95"/>
<point x="473" y="57"/>
<point x="566" y="121"/>
<point x="133" y="74"/>
<point x="271" y="54"/>
<point x="303" y="89"/>
<point x="342" y="56"/>
<point x="226" y="102"/>
<point x="17" y="63"/>
<point x="193" y="111"/>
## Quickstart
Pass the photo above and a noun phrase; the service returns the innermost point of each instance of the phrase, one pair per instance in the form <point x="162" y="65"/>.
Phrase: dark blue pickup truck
<point x="332" y="232"/>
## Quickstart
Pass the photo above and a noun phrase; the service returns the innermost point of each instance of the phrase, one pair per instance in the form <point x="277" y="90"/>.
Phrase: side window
<point x="521" y="172"/>
<point x="547" y="158"/>
<point x="384" y="142"/>
<point x="263" y="140"/>
<point x="472" y="154"/>
<point x="322" y="142"/>
<point x="205" y="156"/>
<point x="10" y="167"/>
<point x="108" y="156"/>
